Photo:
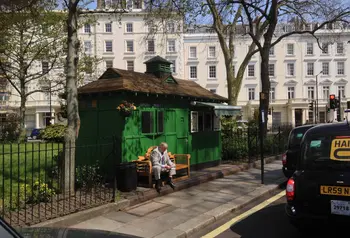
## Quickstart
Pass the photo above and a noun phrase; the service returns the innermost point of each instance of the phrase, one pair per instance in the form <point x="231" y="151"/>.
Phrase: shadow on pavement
<point x="49" y="232"/>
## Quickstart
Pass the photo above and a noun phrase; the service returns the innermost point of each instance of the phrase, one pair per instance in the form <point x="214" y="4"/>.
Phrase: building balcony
<point x="37" y="103"/>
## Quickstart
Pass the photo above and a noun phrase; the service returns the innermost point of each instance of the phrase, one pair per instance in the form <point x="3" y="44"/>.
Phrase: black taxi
<point x="320" y="187"/>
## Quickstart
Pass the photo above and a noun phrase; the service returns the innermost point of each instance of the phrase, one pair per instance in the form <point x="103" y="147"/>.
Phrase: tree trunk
<point x="72" y="99"/>
<point x="22" y="112"/>
<point x="231" y="86"/>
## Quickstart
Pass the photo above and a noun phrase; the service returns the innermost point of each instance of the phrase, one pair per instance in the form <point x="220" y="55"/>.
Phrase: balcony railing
<point x="38" y="103"/>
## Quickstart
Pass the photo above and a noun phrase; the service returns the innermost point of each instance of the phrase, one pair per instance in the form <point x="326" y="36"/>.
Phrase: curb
<point x="193" y="225"/>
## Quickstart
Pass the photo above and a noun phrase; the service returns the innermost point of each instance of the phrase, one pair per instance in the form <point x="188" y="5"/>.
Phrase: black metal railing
<point x="41" y="181"/>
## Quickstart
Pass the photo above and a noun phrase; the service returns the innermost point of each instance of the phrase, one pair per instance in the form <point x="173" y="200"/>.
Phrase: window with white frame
<point x="109" y="64"/>
<point x="171" y="27"/>
<point x="311" y="92"/>
<point x="271" y="70"/>
<point x="341" y="68"/>
<point x="171" y="46"/>
<point x="212" y="72"/>
<point x="341" y="91"/>
<point x="193" y="52"/>
<point x="325" y="68"/>
<point x="44" y="67"/>
<point x="108" y="46"/>
<point x="251" y="70"/>
<point x="272" y="93"/>
<point x="150" y="46"/>
<point x="129" y="27"/>
<point x="309" y="48"/>
<point x="325" y="49"/>
<point x="152" y="28"/>
<point x="193" y="72"/>
<point x="291" y="92"/>
<point x="130" y="65"/>
<point x="87" y="28"/>
<point x="173" y="66"/>
<point x="290" y="69"/>
<point x="251" y="94"/>
<point x="130" y="46"/>
<point x="211" y="52"/>
<point x="87" y="47"/>
<point x="204" y="121"/>
<point x="290" y="49"/>
<point x="137" y="4"/>
<point x="340" y="48"/>
<point x="108" y="27"/>
<point x="272" y="51"/>
<point x="325" y="90"/>
<point x="310" y="69"/>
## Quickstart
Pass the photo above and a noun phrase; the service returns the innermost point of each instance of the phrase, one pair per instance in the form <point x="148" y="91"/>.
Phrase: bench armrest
<point x="184" y="157"/>
<point x="144" y="163"/>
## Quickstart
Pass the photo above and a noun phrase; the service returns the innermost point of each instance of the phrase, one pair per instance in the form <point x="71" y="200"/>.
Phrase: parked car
<point x="289" y="158"/>
<point x="35" y="134"/>
<point x="319" y="190"/>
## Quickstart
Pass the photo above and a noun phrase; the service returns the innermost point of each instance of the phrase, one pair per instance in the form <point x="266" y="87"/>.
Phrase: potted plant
<point x="126" y="108"/>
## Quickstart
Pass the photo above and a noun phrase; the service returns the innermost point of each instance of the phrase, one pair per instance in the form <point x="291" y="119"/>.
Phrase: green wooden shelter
<point x="179" y="112"/>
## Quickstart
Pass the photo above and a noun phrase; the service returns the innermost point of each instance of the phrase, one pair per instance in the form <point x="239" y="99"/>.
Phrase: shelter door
<point x="182" y="128"/>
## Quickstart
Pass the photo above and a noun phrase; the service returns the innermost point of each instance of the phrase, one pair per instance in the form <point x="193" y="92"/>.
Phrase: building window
<point x="340" y="68"/>
<point x="171" y="27"/>
<point x="309" y="48"/>
<point x="109" y="64"/>
<point x="130" y="65"/>
<point x="310" y="69"/>
<point x="108" y="27"/>
<point x="201" y="121"/>
<point x="152" y="28"/>
<point x="251" y="70"/>
<point x="213" y="90"/>
<point x="325" y="92"/>
<point x="129" y="46"/>
<point x="45" y="67"/>
<point x="171" y="46"/>
<point x="129" y="27"/>
<point x="150" y="46"/>
<point x="109" y="46"/>
<point x="137" y="4"/>
<point x="272" y="70"/>
<point x="311" y="116"/>
<point x="272" y="93"/>
<point x="340" y="48"/>
<point x="325" y="68"/>
<point x="272" y="51"/>
<point x="290" y="49"/>
<point x="211" y="52"/>
<point x="290" y="69"/>
<point x="173" y="66"/>
<point x="325" y="48"/>
<point x="87" y="28"/>
<point x="147" y="122"/>
<point x="212" y="71"/>
<point x="311" y="92"/>
<point x="87" y="47"/>
<point x="193" y="52"/>
<point x="291" y="92"/>
<point x="193" y="72"/>
<point x="251" y="94"/>
<point x="341" y="91"/>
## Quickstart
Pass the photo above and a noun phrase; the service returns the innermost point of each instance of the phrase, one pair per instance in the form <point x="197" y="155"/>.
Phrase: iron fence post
<point x="279" y="140"/>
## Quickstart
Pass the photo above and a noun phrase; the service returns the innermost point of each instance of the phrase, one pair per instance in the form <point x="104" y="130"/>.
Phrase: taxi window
<point x="295" y="139"/>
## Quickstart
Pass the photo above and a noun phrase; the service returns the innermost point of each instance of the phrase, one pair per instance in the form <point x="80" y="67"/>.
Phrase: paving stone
<point x="131" y="230"/>
<point x="146" y="208"/>
<point x="204" y="206"/>
<point x="161" y="212"/>
<point x="178" y="202"/>
<point x="150" y="227"/>
<point x="120" y="216"/>
<point x="178" y="216"/>
<point x="173" y="233"/>
<point x="216" y="197"/>
<point x="99" y="223"/>
<point x="195" y="224"/>
<point x="222" y="210"/>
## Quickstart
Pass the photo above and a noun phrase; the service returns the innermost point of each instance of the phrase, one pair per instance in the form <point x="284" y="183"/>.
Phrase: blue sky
<point x="92" y="5"/>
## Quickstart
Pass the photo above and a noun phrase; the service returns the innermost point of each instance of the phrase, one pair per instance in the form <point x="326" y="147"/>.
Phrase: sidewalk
<point x="184" y="212"/>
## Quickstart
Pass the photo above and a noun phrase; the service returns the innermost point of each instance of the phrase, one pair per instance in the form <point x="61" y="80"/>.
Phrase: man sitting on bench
<point x="161" y="163"/>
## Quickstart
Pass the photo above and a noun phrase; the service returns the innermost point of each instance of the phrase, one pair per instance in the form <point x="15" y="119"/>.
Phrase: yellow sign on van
<point x="340" y="149"/>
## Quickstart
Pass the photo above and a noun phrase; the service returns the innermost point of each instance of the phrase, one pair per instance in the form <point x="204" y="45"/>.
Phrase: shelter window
<point x="147" y="122"/>
<point x="204" y="121"/>
<point x="160" y="121"/>
<point x="152" y="122"/>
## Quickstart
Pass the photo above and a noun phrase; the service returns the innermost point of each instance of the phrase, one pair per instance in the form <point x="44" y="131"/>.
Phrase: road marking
<point x="244" y="215"/>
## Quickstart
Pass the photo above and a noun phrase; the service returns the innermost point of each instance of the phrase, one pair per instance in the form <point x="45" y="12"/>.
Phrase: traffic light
<point x="332" y="101"/>
<point x="311" y="106"/>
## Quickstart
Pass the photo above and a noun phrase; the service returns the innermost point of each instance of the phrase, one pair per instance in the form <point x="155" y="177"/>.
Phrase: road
<point x="269" y="222"/>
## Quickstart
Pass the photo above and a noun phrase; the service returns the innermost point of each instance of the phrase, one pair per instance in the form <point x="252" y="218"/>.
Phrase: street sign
<point x="262" y="116"/>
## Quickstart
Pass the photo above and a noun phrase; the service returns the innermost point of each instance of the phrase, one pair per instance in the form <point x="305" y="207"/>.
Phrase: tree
<point x="31" y="47"/>
<point x="224" y="19"/>
<point x="297" y="18"/>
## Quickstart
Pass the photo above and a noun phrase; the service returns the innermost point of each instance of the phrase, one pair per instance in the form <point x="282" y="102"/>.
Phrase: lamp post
<point x="316" y="109"/>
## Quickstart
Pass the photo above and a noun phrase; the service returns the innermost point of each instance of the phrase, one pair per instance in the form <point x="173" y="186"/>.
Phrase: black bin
<point x="126" y="177"/>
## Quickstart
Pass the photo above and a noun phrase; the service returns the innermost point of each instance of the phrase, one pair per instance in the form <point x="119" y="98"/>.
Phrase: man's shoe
<point x="158" y="183"/>
<point x="172" y="185"/>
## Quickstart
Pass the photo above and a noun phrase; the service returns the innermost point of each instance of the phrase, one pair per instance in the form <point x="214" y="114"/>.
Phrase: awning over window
<point x="221" y="109"/>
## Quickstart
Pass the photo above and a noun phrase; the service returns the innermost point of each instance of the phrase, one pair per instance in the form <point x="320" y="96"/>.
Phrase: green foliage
<point x="54" y="133"/>
<point x="10" y="130"/>
<point x="88" y="176"/>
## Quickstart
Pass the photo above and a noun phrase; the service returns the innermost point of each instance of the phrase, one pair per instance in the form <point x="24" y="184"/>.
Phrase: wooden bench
<point x="144" y="165"/>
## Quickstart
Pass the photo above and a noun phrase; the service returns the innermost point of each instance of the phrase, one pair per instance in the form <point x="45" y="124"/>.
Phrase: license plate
<point x="340" y="207"/>
<point x="335" y="190"/>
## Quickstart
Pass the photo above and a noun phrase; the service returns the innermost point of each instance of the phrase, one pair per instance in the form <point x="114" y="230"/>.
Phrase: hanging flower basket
<point x="126" y="108"/>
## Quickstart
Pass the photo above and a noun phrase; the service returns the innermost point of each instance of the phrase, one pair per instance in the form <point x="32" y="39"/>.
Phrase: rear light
<point x="284" y="159"/>
<point x="290" y="189"/>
